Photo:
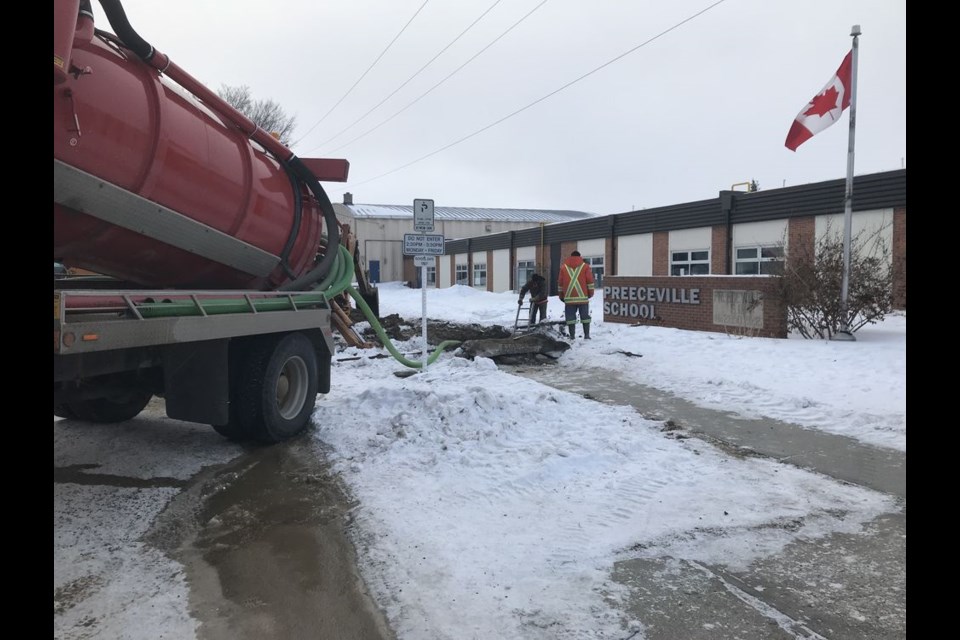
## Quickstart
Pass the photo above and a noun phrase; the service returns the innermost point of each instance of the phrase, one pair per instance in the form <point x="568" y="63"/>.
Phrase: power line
<point x="372" y="109"/>
<point x="541" y="99"/>
<point x="363" y="75"/>
<point x="423" y="95"/>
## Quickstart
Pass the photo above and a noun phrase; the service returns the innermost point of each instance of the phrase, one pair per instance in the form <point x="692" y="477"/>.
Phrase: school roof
<point x="532" y="216"/>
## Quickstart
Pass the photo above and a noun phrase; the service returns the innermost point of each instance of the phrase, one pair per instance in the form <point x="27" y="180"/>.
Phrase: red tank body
<point x="228" y="209"/>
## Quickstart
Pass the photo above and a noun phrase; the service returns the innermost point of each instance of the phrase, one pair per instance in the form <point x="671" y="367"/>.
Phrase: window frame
<point x="766" y="259"/>
<point x="464" y="271"/>
<point x="479" y="272"/>
<point x="525" y="269"/>
<point x="688" y="263"/>
<point x="596" y="264"/>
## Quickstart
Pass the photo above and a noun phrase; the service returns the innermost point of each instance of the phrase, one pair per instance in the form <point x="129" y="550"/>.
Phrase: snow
<point x="490" y="505"/>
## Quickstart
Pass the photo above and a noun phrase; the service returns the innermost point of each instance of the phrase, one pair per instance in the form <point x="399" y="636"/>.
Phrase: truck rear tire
<point x="233" y="430"/>
<point x="107" y="410"/>
<point x="62" y="410"/>
<point x="275" y="391"/>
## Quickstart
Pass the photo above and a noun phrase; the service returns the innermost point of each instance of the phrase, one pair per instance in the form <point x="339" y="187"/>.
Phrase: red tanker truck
<point x="216" y="244"/>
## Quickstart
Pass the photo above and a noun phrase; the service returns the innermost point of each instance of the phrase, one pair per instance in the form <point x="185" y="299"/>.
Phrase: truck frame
<point x="248" y="363"/>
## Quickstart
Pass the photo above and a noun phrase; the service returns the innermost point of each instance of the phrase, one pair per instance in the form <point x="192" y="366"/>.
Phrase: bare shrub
<point x="812" y="281"/>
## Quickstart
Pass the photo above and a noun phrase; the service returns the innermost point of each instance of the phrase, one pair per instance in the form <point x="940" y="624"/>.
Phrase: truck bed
<point x="91" y="320"/>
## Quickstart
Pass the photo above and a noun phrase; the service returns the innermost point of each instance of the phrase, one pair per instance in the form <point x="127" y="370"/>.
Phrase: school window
<point x="432" y="276"/>
<point x="759" y="261"/>
<point x="525" y="269"/>
<point x="690" y="263"/>
<point x="596" y="266"/>
<point x="461" y="274"/>
<point x="480" y="274"/>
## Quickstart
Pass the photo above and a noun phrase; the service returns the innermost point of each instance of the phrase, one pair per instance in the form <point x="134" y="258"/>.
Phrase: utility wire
<point x="372" y="109"/>
<point x="452" y="73"/>
<point x="541" y="99"/>
<point x="363" y="75"/>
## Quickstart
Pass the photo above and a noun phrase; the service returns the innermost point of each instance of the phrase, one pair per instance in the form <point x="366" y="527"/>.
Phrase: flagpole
<point x="845" y="333"/>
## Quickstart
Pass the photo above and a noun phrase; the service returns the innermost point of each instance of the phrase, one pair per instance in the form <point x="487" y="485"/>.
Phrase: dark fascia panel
<point x="528" y="237"/>
<point x="703" y="213"/>
<point x="455" y="246"/>
<point x="579" y="230"/>
<point x="491" y="242"/>
<point x="873" y="191"/>
<point x="480" y="243"/>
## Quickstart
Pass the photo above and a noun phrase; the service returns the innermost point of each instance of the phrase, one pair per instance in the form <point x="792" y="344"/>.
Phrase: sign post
<point x="423" y="248"/>
<point x="423" y="262"/>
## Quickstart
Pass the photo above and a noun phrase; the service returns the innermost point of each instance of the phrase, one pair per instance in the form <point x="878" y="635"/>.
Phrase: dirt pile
<point x="539" y="346"/>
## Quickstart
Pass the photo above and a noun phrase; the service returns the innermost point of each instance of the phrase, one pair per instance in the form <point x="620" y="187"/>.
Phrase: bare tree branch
<point x="267" y="114"/>
<point x="811" y="284"/>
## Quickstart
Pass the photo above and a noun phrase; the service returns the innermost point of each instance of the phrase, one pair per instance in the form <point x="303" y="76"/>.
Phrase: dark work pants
<point x="535" y="308"/>
<point x="570" y="312"/>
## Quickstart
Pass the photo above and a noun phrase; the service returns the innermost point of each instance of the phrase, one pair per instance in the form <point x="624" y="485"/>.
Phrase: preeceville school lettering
<point x="616" y="300"/>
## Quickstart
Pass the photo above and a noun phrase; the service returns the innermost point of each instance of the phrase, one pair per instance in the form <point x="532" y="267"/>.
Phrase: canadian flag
<point x="825" y="108"/>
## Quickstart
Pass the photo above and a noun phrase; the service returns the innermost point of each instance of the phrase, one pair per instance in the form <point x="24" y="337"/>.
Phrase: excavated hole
<point x="539" y="346"/>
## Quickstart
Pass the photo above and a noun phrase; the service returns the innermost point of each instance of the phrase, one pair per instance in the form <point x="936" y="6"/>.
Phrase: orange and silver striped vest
<point x="575" y="293"/>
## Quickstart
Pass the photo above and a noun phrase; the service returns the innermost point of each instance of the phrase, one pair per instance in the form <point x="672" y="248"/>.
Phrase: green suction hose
<point x="342" y="278"/>
<point x="337" y="281"/>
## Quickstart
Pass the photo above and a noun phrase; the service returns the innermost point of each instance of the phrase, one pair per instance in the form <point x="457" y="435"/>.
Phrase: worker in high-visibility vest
<point x="575" y="287"/>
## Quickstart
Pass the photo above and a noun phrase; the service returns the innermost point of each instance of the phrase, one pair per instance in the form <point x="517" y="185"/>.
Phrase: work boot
<point x="573" y="330"/>
<point x="586" y="330"/>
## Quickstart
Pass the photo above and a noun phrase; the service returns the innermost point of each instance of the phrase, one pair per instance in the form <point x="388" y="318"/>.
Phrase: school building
<point x="665" y="251"/>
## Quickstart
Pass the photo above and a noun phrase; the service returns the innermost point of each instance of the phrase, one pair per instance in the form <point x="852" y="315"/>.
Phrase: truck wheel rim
<point x="292" y="388"/>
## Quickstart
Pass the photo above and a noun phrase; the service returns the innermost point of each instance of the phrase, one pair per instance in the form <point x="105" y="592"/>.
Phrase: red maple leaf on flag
<point x="823" y="103"/>
<point x="834" y="95"/>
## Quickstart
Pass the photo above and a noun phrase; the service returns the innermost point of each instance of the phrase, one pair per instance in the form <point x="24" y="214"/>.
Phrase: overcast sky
<point x="704" y="100"/>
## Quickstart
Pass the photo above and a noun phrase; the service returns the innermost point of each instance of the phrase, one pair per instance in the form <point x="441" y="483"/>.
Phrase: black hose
<point x="333" y="229"/>
<point x="121" y="27"/>
<point x="297" y="217"/>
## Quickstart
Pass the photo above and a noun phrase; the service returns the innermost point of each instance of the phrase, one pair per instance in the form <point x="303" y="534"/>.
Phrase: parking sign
<point x="423" y="215"/>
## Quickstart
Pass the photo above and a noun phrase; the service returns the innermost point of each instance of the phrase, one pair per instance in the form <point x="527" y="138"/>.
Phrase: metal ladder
<point x="522" y="321"/>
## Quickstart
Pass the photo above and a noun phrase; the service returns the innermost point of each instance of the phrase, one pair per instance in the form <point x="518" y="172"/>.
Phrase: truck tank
<point x="160" y="183"/>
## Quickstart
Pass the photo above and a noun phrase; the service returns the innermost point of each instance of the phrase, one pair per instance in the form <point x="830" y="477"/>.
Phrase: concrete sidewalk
<point x="842" y="586"/>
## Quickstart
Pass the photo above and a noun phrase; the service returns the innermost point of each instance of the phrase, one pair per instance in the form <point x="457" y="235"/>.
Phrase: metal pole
<point x="845" y="333"/>
<point x="423" y="289"/>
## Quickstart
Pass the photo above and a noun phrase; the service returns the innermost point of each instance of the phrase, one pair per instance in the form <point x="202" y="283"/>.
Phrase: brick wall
<point x="719" y="249"/>
<point x="661" y="253"/>
<point x="801" y="238"/>
<point x="900" y="258"/>
<point x="690" y="302"/>
<point x="409" y="271"/>
<point x="543" y="265"/>
<point x="489" y="270"/>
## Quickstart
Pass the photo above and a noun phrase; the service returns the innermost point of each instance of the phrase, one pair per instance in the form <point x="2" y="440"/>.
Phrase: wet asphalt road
<point x="264" y="546"/>
<point x="840" y="587"/>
